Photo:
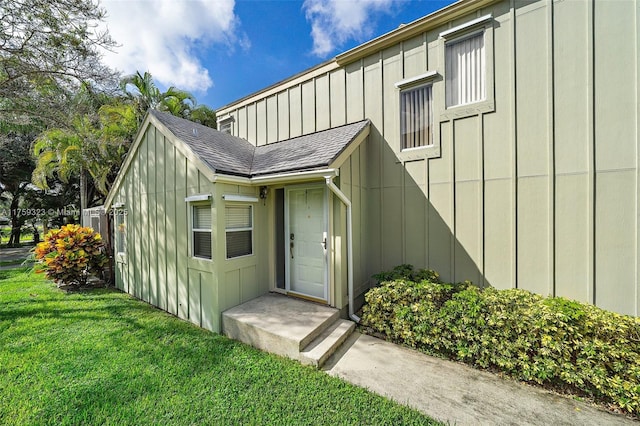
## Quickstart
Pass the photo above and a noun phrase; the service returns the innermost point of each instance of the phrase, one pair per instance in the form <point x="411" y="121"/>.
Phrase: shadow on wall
<point x="425" y="217"/>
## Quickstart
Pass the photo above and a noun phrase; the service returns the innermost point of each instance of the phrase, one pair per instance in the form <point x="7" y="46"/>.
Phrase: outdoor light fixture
<point x="263" y="192"/>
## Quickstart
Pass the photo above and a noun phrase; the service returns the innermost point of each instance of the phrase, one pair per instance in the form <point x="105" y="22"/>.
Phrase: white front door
<point x="306" y="241"/>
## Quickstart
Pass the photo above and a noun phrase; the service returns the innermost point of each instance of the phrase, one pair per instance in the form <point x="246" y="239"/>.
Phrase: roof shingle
<point x="228" y="154"/>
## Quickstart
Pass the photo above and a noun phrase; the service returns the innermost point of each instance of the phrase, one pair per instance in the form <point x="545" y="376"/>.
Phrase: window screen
<point x="416" y="117"/>
<point x="465" y="71"/>
<point x="201" y="231"/>
<point x="120" y="231"/>
<point x="239" y="230"/>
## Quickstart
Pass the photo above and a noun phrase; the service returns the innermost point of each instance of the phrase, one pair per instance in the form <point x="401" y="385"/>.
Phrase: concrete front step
<point x="290" y="327"/>
<point x="318" y="351"/>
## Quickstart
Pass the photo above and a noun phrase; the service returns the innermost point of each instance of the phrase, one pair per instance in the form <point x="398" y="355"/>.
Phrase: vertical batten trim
<point x="175" y="228"/>
<point x="452" y="178"/>
<point x="514" y="135"/>
<point x="329" y="98"/>
<point x="425" y="46"/>
<point x="552" y="157"/>
<point x="637" y="286"/>
<point x="481" y="230"/>
<point x="591" y="291"/>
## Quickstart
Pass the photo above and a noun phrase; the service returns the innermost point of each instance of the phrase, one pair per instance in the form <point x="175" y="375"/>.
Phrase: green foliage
<point x="554" y="342"/>
<point x="143" y="94"/>
<point x="49" y="47"/>
<point x="407" y="272"/>
<point x="69" y="254"/>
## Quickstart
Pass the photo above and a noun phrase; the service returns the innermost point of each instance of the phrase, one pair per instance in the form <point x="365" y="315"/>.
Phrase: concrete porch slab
<point x="277" y="323"/>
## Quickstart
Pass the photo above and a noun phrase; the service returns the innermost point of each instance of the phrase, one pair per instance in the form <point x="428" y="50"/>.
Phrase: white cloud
<point x="164" y="37"/>
<point x="335" y="21"/>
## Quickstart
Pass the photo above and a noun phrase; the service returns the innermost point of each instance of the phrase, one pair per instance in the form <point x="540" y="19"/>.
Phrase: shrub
<point x="555" y="342"/>
<point x="406" y="272"/>
<point x="69" y="254"/>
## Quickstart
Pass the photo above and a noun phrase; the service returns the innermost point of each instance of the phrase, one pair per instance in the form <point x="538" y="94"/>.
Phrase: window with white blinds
<point x="465" y="70"/>
<point x="239" y="230"/>
<point x="120" y="231"/>
<point x="416" y="117"/>
<point x="201" y="231"/>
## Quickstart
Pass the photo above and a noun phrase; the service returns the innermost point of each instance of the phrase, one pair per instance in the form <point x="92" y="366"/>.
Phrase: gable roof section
<point x="226" y="154"/>
<point x="307" y="152"/>
<point x="220" y="151"/>
<point x="216" y="152"/>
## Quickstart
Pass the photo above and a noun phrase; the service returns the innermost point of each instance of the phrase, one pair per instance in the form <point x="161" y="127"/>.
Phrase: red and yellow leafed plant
<point x="69" y="254"/>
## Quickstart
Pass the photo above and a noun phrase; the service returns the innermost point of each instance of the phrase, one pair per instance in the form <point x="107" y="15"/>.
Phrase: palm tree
<point x="177" y="102"/>
<point x="204" y="115"/>
<point x="93" y="146"/>
<point x="142" y="91"/>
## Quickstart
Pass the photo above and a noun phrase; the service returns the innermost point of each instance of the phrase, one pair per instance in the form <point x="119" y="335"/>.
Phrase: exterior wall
<point x="244" y="278"/>
<point x="352" y="183"/>
<point x="538" y="191"/>
<point x="157" y="267"/>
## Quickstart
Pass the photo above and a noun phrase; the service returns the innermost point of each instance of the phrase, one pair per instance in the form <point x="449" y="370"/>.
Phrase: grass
<point x="17" y="262"/>
<point x="102" y="357"/>
<point x="25" y="237"/>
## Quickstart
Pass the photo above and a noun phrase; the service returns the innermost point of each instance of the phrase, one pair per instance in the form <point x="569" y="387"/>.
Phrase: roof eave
<point x="412" y="29"/>
<point x="346" y="152"/>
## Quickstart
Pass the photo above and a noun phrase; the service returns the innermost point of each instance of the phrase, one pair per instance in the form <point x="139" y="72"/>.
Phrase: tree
<point x="142" y="91"/>
<point x="47" y="48"/>
<point x="204" y="115"/>
<point x="177" y="102"/>
<point x="93" y="146"/>
<point x="16" y="166"/>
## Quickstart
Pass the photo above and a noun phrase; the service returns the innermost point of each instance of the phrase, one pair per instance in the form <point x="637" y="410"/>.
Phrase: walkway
<point x="14" y="254"/>
<point x="453" y="392"/>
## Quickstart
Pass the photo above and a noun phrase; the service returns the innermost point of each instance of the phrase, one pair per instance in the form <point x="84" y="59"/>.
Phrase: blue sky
<point x="222" y="50"/>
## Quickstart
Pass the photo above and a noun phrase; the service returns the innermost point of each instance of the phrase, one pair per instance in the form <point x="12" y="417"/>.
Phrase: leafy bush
<point x="69" y="254"/>
<point x="555" y="342"/>
<point x="406" y="272"/>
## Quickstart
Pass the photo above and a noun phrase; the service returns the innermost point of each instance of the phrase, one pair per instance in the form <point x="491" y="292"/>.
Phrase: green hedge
<point x="555" y="342"/>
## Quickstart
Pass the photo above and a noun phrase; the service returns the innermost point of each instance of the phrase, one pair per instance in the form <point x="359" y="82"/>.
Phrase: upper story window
<point x="416" y="117"/>
<point x="225" y="124"/>
<point x="201" y="230"/>
<point x="465" y="70"/>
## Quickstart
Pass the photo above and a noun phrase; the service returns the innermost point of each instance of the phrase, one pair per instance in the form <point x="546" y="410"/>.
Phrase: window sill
<point x="199" y="263"/>
<point x="468" y="110"/>
<point x="240" y="257"/>
<point x="421" y="153"/>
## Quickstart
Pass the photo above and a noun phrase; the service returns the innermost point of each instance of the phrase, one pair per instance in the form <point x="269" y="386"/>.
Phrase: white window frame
<point x="482" y="79"/>
<point x="120" y="211"/>
<point x="193" y="230"/>
<point x="426" y="151"/>
<point x="482" y="25"/>
<point x="429" y="118"/>
<point x="225" y="124"/>
<point x="251" y="228"/>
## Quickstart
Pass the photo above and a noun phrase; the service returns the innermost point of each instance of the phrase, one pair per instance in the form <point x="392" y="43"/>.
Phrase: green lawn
<point x="102" y="357"/>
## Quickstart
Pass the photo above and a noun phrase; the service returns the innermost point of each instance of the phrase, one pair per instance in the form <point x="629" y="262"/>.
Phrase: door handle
<point x="291" y="249"/>
<point x="324" y="243"/>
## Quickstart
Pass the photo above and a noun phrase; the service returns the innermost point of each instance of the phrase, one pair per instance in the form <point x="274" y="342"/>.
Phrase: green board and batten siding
<point x="159" y="270"/>
<point x="540" y="193"/>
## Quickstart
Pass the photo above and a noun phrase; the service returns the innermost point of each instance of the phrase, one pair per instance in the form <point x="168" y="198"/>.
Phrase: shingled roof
<point x="231" y="155"/>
